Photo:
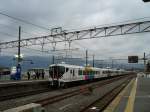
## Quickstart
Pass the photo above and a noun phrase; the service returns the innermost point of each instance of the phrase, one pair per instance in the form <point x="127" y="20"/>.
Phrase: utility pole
<point x="93" y="60"/>
<point x="86" y="58"/>
<point x="18" y="74"/>
<point x="19" y="45"/>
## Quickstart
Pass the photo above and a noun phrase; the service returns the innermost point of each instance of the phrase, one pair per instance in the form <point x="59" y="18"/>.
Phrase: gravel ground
<point x="77" y="103"/>
<point x="69" y="103"/>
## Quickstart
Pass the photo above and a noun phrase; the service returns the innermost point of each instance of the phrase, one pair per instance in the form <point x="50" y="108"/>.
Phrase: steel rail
<point x="56" y="98"/>
<point x="101" y="103"/>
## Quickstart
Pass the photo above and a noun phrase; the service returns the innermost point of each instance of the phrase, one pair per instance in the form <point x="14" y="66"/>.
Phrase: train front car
<point x="56" y="72"/>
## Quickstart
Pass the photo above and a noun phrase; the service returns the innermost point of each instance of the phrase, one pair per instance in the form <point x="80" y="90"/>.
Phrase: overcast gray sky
<point x="77" y="14"/>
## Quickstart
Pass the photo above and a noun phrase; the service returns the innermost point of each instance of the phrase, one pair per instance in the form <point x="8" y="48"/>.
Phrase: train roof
<point x="82" y="67"/>
<point x="67" y="65"/>
<point x="74" y="66"/>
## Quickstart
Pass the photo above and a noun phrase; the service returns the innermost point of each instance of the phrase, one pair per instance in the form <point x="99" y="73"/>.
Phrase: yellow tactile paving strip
<point x="131" y="99"/>
<point x="112" y="106"/>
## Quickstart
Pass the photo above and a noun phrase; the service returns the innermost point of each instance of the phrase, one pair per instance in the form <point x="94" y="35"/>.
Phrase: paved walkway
<point x="134" y="98"/>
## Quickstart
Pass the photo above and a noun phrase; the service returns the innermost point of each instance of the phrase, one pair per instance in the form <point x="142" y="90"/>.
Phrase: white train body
<point x="60" y="74"/>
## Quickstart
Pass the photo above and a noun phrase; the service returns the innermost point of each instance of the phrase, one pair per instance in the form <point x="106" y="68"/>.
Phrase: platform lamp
<point x="18" y="66"/>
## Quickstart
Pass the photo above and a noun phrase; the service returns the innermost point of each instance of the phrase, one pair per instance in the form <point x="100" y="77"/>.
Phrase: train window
<point x="88" y="73"/>
<point x="55" y="71"/>
<point x="107" y="72"/>
<point x="84" y="72"/>
<point x="61" y="69"/>
<point x="96" y="72"/>
<point x="80" y="72"/>
<point x="91" y="72"/>
<point x="104" y="72"/>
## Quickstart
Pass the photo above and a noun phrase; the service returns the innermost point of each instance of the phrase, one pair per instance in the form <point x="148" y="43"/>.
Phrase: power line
<point x="46" y="52"/>
<point x="114" y="23"/>
<point x="15" y="29"/>
<point x="7" y="34"/>
<point x="23" y="21"/>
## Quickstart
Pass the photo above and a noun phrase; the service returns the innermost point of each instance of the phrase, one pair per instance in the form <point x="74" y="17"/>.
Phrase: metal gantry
<point x="58" y="35"/>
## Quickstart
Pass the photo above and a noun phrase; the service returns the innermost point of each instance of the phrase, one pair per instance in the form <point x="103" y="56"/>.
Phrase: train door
<point x="72" y="74"/>
<point x="108" y="73"/>
<point x="75" y="72"/>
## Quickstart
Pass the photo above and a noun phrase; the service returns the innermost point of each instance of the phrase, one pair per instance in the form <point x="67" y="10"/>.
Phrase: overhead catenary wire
<point x="23" y="21"/>
<point x="128" y="20"/>
<point x="16" y="29"/>
<point x="7" y="34"/>
<point x="40" y="51"/>
<point x="114" y="23"/>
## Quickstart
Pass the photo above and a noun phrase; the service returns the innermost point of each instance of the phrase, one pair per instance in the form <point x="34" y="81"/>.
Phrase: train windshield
<point x="56" y="71"/>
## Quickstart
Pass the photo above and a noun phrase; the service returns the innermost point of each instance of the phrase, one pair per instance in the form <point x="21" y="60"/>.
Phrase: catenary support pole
<point x="18" y="73"/>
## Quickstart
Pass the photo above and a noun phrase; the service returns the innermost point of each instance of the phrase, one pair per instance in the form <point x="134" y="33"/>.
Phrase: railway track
<point x="101" y="103"/>
<point x="23" y="94"/>
<point x="34" y="92"/>
<point x="63" y="94"/>
<point x="57" y="98"/>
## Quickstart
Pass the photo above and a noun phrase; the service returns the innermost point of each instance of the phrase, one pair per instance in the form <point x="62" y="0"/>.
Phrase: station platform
<point x="133" y="98"/>
<point x="14" y="89"/>
<point x="20" y="81"/>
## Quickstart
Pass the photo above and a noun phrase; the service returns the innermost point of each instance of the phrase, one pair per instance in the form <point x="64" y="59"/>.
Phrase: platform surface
<point x="21" y="81"/>
<point x="135" y="97"/>
<point x="142" y="99"/>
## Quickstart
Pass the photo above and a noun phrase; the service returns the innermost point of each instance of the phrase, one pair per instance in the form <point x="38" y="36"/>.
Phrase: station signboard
<point x="132" y="59"/>
<point x="146" y="0"/>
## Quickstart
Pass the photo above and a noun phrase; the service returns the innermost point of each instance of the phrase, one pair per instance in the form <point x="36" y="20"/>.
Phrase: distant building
<point x="4" y="70"/>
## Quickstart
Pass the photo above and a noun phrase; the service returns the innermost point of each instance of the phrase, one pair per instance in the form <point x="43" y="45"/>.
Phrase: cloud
<point x="77" y="14"/>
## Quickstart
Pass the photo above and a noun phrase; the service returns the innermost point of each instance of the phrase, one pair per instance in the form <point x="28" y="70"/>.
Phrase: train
<point x="62" y="75"/>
